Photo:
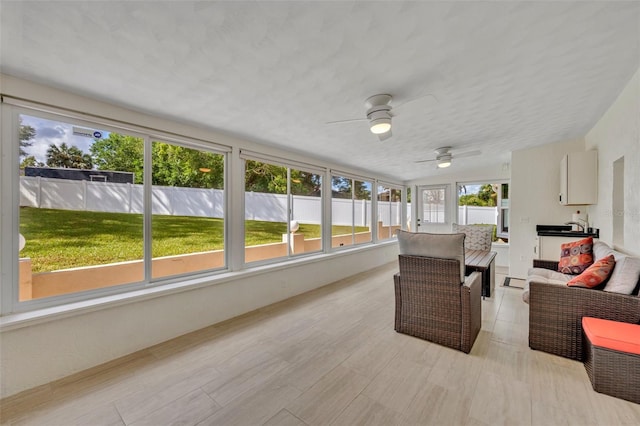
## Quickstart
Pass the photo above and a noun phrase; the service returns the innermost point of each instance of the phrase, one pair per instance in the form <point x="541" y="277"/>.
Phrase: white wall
<point x="615" y="135"/>
<point x="535" y="185"/>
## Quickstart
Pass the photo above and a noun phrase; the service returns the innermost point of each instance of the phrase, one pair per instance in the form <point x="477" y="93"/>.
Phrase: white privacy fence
<point x="468" y="215"/>
<point x="128" y="198"/>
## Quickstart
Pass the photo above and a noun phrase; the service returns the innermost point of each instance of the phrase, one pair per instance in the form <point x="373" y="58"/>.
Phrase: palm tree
<point x="70" y="157"/>
<point x="27" y="133"/>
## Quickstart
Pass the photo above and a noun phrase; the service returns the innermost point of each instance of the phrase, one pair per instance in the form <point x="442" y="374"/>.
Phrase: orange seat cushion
<point x="614" y="335"/>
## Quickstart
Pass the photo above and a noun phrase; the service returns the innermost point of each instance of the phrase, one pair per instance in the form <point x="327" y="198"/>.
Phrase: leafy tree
<point x="305" y="183"/>
<point x="175" y="165"/>
<point x="265" y="177"/>
<point x="488" y="195"/>
<point x="471" y="200"/>
<point x="31" y="161"/>
<point x="119" y="153"/>
<point x="66" y="156"/>
<point x="172" y="165"/>
<point x="342" y="187"/>
<point x="26" y="135"/>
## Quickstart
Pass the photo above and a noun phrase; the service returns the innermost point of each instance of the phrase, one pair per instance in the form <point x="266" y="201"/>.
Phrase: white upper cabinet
<point x="579" y="178"/>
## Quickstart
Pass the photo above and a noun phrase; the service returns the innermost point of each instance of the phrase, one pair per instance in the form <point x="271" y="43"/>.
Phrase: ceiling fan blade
<point x="353" y="120"/>
<point x="467" y="154"/>
<point x="426" y="161"/>
<point x="385" y="136"/>
<point x="428" y="95"/>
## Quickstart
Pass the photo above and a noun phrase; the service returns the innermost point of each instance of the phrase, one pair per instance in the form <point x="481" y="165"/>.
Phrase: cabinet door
<point x="579" y="178"/>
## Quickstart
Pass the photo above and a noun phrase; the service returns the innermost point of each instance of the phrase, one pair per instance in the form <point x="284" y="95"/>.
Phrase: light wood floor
<point x="331" y="357"/>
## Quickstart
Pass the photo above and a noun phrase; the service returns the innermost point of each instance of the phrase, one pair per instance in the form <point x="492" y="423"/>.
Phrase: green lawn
<point x="60" y="239"/>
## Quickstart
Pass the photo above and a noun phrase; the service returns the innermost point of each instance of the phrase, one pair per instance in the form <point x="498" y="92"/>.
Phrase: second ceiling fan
<point x="444" y="157"/>
<point x="378" y="113"/>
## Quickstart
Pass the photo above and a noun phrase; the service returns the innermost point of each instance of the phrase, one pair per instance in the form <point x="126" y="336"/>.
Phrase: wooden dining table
<point x="482" y="261"/>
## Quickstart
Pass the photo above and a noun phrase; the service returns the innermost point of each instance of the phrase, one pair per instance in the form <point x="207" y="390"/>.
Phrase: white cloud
<point x="50" y="132"/>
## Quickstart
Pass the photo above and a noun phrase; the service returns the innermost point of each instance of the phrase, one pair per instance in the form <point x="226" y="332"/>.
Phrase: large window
<point x="86" y="194"/>
<point x="79" y="233"/>
<point x="350" y="211"/>
<point x="105" y="207"/>
<point x="389" y="211"/>
<point x="283" y="211"/>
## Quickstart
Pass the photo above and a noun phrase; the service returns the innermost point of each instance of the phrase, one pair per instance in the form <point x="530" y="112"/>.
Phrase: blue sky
<point x="472" y="189"/>
<point x="54" y="132"/>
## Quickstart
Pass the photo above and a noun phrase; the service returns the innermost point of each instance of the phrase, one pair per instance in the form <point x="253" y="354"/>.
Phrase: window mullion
<point x="147" y="208"/>
<point x="9" y="223"/>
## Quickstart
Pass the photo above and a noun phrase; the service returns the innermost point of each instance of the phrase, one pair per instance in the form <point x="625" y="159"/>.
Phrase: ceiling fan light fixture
<point x="379" y="121"/>
<point x="444" y="161"/>
<point x="380" y="126"/>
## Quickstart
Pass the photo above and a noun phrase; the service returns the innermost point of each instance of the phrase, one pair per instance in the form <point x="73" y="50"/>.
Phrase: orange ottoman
<point x="612" y="357"/>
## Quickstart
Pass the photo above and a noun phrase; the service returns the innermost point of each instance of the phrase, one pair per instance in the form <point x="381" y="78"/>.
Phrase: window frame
<point x="391" y="187"/>
<point x="11" y="110"/>
<point x="373" y="206"/>
<point x="247" y="155"/>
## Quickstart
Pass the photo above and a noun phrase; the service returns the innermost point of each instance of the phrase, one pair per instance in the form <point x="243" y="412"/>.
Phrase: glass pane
<point x="306" y="211"/>
<point x="433" y="205"/>
<point x="396" y="211"/>
<point x="505" y="221"/>
<point x="265" y="211"/>
<point x="389" y="212"/>
<point x="80" y="208"/>
<point x="477" y="205"/>
<point x="384" y="213"/>
<point x="362" y="212"/>
<point x="187" y="224"/>
<point x="341" y="211"/>
<point x="409" y="210"/>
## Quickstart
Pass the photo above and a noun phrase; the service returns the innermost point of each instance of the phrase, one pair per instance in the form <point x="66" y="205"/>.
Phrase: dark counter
<point x="563" y="231"/>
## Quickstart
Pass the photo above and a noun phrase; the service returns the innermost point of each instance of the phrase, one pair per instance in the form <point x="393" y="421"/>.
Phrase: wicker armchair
<point x="434" y="300"/>
<point x="479" y="237"/>
<point x="556" y="311"/>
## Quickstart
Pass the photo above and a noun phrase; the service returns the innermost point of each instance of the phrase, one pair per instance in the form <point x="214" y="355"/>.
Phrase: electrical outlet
<point x="521" y="257"/>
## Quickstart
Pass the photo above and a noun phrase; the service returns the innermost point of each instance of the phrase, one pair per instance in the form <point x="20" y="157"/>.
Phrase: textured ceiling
<point x="506" y="75"/>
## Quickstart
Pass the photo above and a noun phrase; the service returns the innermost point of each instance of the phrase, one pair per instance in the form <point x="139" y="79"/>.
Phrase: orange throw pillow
<point x="575" y="257"/>
<point x="595" y="274"/>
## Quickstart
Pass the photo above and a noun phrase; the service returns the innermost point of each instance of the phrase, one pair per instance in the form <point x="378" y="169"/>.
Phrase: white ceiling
<point x="506" y="75"/>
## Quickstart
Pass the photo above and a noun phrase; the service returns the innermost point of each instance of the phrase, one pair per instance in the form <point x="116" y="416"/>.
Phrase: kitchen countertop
<point x="563" y="231"/>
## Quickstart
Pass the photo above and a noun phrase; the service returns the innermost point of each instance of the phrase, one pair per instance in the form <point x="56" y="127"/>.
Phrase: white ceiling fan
<point x="444" y="157"/>
<point x="379" y="114"/>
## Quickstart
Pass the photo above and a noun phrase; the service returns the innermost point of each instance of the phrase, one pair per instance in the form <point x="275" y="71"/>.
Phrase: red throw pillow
<point x="595" y="274"/>
<point x="575" y="257"/>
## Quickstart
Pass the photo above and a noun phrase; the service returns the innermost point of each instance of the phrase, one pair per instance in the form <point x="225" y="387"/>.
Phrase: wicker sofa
<point x="556" y="310"/>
